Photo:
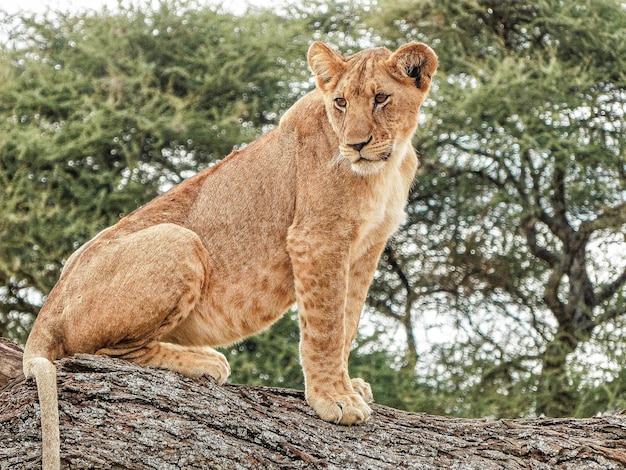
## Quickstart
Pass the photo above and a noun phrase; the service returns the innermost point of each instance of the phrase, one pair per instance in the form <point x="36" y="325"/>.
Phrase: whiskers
<point x="339" y="159"/>
<point x="369" y="160"/>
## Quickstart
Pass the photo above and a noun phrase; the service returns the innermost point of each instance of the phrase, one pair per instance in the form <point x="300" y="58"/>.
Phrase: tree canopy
<point x="502" y="295"/>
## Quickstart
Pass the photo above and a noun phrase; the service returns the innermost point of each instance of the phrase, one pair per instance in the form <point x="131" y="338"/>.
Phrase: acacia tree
<point x="100" y="111"/>
<point x="517" y="221"/>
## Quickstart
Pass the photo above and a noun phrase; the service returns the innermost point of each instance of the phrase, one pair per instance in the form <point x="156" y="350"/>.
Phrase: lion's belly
<point x="248" y="307"/>
<point x="243" y="298"/>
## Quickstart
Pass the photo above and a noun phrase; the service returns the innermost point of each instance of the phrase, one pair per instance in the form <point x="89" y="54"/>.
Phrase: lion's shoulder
<point x="307" y="116"/>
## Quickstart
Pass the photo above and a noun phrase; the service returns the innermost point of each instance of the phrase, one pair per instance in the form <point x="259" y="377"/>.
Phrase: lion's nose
<point x="358" y="147"/>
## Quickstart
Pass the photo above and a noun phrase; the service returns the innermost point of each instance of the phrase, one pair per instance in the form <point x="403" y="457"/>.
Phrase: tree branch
<point x="406" y="319"/>
<point x="10" y="361"/>
<point x="115" y="414"/>
<point x="530" y="230"/>
<point x="392" y="258"/>
<point x="611" y="288"/>
<point x="558" y="223"/>
<point x="611" y="218"/>
<point x="609" y="315"/>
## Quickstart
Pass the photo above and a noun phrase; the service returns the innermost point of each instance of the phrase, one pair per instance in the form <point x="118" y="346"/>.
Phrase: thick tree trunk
<point x="556" y="395"/>
<point x="10" y="361"/>
<point x="115" y="414"/>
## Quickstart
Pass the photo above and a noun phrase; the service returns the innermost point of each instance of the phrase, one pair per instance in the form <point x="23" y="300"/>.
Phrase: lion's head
<point x="373" y="99"/>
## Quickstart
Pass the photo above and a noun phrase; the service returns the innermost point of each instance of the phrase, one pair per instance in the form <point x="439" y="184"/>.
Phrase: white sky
<point x="40" y="6"/>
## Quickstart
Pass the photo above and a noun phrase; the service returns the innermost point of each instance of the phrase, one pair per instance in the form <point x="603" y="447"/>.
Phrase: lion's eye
<point x="341" y="102"/>
<point x="380" y="98"/>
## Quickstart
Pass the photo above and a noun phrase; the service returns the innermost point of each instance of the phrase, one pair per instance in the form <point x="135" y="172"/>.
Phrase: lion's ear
<point x="416" y="61"/>
<point x="326" y="64"/>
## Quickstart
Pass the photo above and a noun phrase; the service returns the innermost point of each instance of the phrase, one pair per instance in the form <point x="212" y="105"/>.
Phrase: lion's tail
<point x="39" y="366"/>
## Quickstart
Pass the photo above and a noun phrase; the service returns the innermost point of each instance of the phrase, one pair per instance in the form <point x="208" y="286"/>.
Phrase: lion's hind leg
<point x="190" y="361"/>
<point x="139" y="287"/>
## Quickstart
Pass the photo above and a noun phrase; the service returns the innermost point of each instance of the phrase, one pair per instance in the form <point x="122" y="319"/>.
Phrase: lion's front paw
<point x="361" y="387"/>
<point x="340" y="409"/>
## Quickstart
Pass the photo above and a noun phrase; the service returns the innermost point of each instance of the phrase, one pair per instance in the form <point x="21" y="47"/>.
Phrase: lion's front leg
<point x="321" y="278"/>
<point x="361" y="275"/>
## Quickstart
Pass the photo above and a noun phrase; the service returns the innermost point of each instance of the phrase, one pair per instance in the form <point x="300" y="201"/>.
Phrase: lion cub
<point x="300" y="215"/>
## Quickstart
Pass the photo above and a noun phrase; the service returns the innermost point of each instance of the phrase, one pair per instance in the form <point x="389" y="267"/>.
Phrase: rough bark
<point x="115" y="414"/>
<point x="10" y="361"/>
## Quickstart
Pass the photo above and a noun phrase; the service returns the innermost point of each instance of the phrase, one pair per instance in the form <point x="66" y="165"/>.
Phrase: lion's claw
<point x="361" y="387"/>
<point x="341" y="409"/>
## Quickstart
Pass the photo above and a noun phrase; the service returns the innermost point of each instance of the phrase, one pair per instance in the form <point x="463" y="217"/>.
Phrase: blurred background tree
<point x="515" y="243"/>
<point x="502" y="295"/>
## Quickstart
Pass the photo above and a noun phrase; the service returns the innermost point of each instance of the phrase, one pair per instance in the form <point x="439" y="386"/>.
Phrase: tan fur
<point x="302" y="214"/>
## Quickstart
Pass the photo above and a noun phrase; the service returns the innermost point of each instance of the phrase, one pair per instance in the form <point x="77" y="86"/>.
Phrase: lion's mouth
<point x="366" y="163"/>
<point x="365" y="166"/>
<point x="384" y="158"/>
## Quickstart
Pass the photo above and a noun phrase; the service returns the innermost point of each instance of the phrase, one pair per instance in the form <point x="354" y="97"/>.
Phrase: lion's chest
<point x="382" y="212"/>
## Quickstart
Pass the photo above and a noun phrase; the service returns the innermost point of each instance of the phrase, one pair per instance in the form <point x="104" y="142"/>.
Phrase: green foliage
<point x="269" y="358"/>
